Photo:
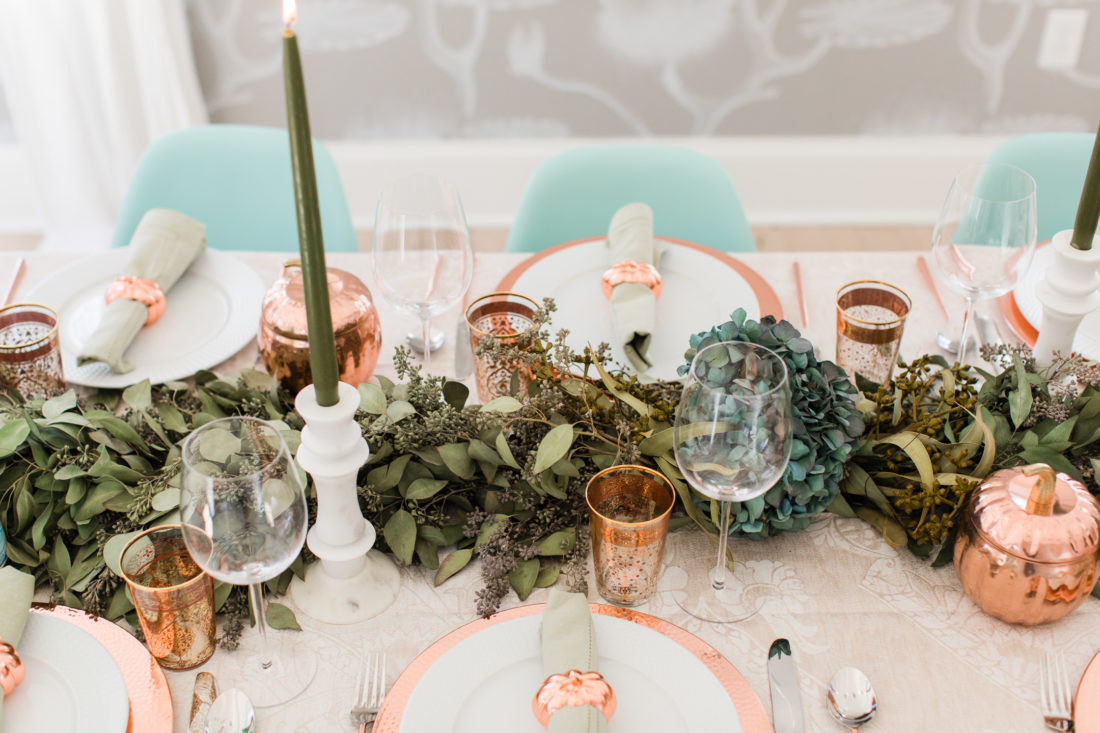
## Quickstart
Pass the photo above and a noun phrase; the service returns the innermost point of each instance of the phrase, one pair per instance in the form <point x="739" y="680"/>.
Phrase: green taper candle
<point x="322" y="342"/>
<point x="1088" y="210"/>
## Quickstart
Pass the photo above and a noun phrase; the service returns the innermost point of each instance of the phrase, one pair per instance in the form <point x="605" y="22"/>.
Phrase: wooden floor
<point x="768" y="239"/>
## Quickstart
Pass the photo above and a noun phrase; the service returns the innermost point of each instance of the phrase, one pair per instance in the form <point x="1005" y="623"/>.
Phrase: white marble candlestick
<point x="350" y="583"/>
<point x="1069" y="290"/>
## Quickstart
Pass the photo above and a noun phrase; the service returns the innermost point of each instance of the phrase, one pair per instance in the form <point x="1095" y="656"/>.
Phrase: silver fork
<point x="372" y="688"/>
<point x="1056" y="695"/>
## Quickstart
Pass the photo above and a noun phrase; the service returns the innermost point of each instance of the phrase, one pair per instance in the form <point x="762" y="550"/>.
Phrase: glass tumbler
<point x="629" y="508"/>
<point x="174" y="598"/>
<point x="30" y="351"/>
<point x="870" y="317"/>
<point x="509" y="318"/>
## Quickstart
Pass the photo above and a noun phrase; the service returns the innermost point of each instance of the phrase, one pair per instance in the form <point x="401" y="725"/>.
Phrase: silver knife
<point x="783" y="680"/>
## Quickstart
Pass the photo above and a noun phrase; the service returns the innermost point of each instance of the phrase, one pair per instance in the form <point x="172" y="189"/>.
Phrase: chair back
<point x="1057" y="161"/>
<point x="574" y="194"/>
<point x="237" y="180"/>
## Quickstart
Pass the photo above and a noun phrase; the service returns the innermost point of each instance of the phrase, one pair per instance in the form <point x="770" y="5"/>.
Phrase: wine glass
<point x="991" y="205"/>
<point x="423" y="260"/>
<point x="732" y="440"/>
<point x="244" y="520"/>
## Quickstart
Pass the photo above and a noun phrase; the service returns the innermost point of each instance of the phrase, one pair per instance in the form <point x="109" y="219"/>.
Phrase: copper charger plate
<point x="765" y="296"/>
<point x="750" y="712"/>
<point x="1086" y="703"/>
<point x="146" y="685"/>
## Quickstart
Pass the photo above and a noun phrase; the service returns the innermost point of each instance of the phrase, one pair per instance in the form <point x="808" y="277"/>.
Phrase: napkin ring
<point x="11" y="668"/>
<point x="630" y="271"/>
<point x="573" y="689"/>
<point x="139" y="289"/>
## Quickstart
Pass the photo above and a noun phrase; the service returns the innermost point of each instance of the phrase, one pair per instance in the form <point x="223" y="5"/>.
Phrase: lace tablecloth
<point x="836" y="590"/>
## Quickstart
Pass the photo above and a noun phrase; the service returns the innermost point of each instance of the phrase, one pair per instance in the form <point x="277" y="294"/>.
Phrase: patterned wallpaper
<point x="521" y="68"/>
<point x="379" y="69"/>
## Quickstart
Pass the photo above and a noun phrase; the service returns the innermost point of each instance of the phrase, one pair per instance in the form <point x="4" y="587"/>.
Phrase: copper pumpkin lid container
<point x="1028" y="545"/>
<point x="284" y="339"/>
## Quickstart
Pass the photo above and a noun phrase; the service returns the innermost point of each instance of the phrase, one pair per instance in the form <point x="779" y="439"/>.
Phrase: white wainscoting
<point x="801" y="181"/>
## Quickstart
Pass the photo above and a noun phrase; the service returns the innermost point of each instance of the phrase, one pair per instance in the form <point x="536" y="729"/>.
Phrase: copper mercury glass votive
<point x="629" y="507"/>
<point x="284" y="336"/>
<point x="30" y="351"/>
<point x="173" y="597"/>
<point x="507" y="317"/>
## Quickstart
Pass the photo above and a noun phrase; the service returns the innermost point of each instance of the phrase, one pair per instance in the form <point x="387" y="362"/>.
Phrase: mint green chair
<point x="574" y="194"/>
<point x="237" y="180"/>
<point x="1057" y="161"/>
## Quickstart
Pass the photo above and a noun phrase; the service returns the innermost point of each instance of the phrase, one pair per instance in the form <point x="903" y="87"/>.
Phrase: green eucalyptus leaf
<point x="423" y="488"/>
<point x="561" y="542"/>
<point x="372" y="399"/>
<point x="399" y="410"/>
<point x="553" y="447"/>
<point x="167" y="500"/>
<point x="505" y="451"/>
<point x="503" y="405"/>
<point x="400" y="534"/>
<point x="171" y="417"/>
<point x="523" y="578"/>
<point x="427" y="554"/>
<point x="452" y="564"/>
<point x="455" y="393"/>
<point x="12" y="435"/>
<point x="547" y="576"/>
<point x="54" y="406"/>
<point x="218" y="444"/>
<point x="280" y="617"/>
<point x="138" y="396"/>
<point x="112" y="550"/>
<point x="456" y="456"/>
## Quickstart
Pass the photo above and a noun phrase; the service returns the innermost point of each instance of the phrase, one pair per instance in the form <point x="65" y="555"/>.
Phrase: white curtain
<point x="89" y="84"/>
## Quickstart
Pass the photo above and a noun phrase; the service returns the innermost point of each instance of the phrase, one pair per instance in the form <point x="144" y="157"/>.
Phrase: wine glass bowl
<point x="984" y="239"/>
<point x="732" y="442"/>
<point x="423" y="258"/>
<point x="244" y="519"/>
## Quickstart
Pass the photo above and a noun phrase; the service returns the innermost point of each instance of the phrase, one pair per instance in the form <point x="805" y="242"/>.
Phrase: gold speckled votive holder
<point x="174" y="598"/>
<point x="870" y="318"/>
<point x="629" y="508"/>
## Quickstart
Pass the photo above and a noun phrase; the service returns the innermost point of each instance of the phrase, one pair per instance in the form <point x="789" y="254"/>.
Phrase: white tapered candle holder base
<point x="1068" y="292"/>
<point x="350" y="583"/>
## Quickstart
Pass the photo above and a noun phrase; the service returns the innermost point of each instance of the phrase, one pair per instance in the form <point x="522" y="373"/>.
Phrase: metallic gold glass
<point x="629" y="508"/>
<point x="174" y="598"/>
<point x="505" y="316"/>
<point x="30" y="351"/>
<point x="870" y="317"/>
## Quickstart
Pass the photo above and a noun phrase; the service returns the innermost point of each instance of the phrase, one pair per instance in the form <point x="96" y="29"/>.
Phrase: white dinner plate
<point x="482" y="677"/>
<point x="701" y="287"/>
<point x="211" y="313"/>
<point x="1087" y="341"/>
<point x="72" y="683"/>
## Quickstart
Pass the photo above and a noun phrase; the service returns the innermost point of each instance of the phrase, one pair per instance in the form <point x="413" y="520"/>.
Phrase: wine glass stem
<point x="427" y="336"/>
<point x="964" y="337"/>
<point x="256" y="593"/>
<point x="719" y="581"/>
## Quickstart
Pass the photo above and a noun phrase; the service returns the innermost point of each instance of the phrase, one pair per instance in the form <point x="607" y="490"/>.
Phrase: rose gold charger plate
<point x="750" y="711"/>
<point x="146" y="685"/>
<point x="1086" y="703"/>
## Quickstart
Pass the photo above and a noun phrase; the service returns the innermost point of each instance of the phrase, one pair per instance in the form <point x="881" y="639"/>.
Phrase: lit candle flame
<point x="290" y="12"/>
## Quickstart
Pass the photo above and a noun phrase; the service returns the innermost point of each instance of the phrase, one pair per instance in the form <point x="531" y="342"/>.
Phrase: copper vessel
<point x="284" y="338"/>
<point x="1028" y="545"/>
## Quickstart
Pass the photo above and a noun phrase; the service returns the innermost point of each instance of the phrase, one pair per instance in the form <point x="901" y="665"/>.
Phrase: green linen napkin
<point x="16" y="591"/>
<point x="569" y="642"/>
<point x="164" y="245"/>
<point x="633" y="306"/>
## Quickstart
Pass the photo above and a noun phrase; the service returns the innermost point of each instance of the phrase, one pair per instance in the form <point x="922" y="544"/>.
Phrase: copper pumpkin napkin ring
<point x="630" y="271"/>
<point x="11" y="668"/>
<point x="573" y="689"/>
<point x="143" y="291"/>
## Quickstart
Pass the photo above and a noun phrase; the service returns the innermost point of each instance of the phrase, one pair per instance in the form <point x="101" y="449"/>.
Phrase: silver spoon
<point x="851" y="699"/>
<point x="232" y="712"/>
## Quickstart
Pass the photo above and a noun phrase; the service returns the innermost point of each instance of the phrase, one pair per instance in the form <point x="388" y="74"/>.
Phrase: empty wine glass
<point x="423" y="260"/>
<point x="244" y="520"/>
<point x="732" y="441"/>
<point x="990" y="206"/>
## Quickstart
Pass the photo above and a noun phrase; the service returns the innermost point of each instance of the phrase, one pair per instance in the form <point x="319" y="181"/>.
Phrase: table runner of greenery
<point x="449" y="481"/>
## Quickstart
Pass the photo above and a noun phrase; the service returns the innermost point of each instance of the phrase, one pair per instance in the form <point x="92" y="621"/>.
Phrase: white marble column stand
<point x="1068" y="291"/>
<point x="350" y="583"/>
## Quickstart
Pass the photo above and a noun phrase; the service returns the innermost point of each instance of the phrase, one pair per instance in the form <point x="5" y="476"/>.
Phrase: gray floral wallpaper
<point x="380" y="69"/>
